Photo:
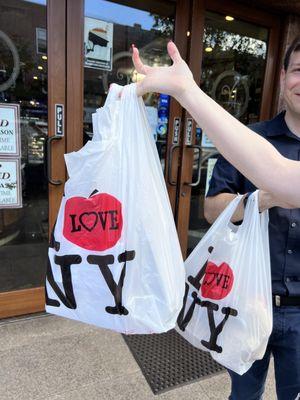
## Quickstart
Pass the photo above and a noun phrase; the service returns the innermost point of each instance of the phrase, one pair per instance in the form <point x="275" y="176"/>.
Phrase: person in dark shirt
<point x="283" y="132"/>
<point x="278" y="179"/>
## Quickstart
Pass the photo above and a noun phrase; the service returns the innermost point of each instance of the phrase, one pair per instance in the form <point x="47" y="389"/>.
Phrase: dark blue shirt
<point x="284" y="226"/>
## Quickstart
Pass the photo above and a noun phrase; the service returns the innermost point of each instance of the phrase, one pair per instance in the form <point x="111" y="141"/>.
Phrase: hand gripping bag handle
<point x="252" y="215"/>
<point x="225" y="217"/>
<point x="251" y="207"/>
<point x="251" y="212"/>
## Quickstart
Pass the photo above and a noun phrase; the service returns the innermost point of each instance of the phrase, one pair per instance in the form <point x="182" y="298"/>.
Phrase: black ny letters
<point x="116" y="289"/>
<point x="216" y="330"/>
<point x="185" y="318"/>
<point x="104" y="263"/>
<point x="65" y="263"/>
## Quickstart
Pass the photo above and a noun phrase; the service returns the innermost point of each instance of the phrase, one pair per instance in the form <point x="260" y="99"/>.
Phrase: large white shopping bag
<point x="114" y="257"/>
<point x="228" y="300"/>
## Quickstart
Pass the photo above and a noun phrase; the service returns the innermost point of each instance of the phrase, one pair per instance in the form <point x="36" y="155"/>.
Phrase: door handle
<point x="48" y="160"/>
<point x="172" y="148"/>
<point x="198" y="148"/>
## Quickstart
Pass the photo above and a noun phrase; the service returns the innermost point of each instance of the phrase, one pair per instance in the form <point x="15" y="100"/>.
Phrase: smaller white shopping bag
<point x="227" y="306"/>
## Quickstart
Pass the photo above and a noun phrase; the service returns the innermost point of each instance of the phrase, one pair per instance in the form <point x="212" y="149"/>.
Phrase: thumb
<point x="139" y="66"/>
<point x="140" y="91"/>
<point x="174" y="52"/>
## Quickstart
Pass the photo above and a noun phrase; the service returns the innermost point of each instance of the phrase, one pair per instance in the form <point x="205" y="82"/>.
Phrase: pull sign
<point x="176" y="130"/>
<point x="59" y="120"/>
<point x="189" y="131"/>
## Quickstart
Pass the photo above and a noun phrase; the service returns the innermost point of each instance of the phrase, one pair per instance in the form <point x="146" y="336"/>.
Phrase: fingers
<point x="173" y="52"/>
<point x="139" y="90"/>
<point x="143" y="69"/>
<point x="139" y="66"/>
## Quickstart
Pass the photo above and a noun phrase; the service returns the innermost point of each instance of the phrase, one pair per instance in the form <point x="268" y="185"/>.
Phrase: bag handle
<point x="113" y="93"/>
<point x="251" y="209"/>
<point x="225" y="217"/>
<point x="129" y="92"/>
<point x="251" y="213"/>
<point x="252" y="216"/>
<point x="102" y="119"/>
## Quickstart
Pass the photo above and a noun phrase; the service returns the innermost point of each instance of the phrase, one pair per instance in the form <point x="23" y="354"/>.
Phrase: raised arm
<point x="252" y="155"/>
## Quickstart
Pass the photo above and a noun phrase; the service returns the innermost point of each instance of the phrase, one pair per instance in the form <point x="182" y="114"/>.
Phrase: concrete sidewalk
<point x="51" y="358"/>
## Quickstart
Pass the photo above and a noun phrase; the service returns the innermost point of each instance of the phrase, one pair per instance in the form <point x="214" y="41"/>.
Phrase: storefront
<point x="57" y="60"/>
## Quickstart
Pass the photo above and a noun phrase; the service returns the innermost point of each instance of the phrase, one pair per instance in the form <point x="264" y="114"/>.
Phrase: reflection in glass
<point x="233" y="71"/>
<point x="23" y="81"/>
<point x="233" y="67"/>
<point x="110" y="29"/>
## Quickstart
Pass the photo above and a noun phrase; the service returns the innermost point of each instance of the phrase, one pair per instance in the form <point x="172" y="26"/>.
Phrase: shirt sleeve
<point x="225" y="179"/>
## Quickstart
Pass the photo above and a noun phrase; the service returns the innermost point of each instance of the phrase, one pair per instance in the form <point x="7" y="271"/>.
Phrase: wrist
<point x="187" y="89"/>
<point x="265" y="201"/>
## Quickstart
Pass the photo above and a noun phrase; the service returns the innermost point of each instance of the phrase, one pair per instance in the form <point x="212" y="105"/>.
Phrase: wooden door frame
<point x="195" y="61"/>
<point x="175" y="133"/>
<point x="242" y="12"/>
<point x="28" y="301"/>
<point x="75" y="75"/>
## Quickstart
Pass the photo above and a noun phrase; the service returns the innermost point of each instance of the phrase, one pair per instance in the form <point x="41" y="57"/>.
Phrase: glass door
<point x="24" y="115"/>
<point x="233" y="68"/>
<point x="24" y="129"/>
<point x="109" y="30"/>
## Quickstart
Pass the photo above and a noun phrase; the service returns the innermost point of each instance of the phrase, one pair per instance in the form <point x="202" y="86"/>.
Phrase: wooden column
<point x="56" y="19"/>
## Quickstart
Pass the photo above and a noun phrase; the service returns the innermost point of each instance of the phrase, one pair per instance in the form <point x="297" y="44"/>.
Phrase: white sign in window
<point x="10" y="184"/>
<point x="41" y="40"/>
<point x="98" y="44"/>
<point x="9" y="130"/>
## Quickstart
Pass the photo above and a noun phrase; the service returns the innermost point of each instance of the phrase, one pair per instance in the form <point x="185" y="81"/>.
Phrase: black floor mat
<point x="168" y="361"/>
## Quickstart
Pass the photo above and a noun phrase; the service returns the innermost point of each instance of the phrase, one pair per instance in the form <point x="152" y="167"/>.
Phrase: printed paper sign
<point x="98" y="43"/>
<point x="10" y="184"/>
<point x="9" y="130"/>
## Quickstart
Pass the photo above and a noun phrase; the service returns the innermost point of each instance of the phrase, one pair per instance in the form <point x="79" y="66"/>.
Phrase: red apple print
<point x="217" y="282"/>
<point x="93" y="223"/>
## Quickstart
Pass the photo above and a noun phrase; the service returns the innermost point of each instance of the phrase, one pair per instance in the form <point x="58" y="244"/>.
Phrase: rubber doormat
<point x="168" y="361"/>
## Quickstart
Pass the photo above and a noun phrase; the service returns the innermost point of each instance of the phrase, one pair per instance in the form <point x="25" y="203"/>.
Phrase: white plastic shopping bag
<point x="114" y="257"/>
<point x="228" y="300"/>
